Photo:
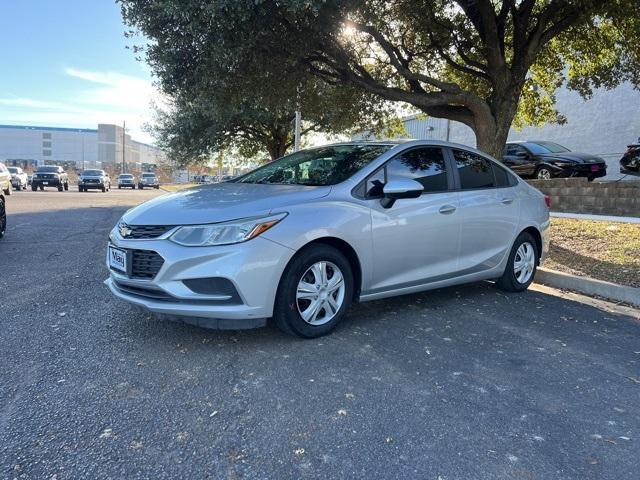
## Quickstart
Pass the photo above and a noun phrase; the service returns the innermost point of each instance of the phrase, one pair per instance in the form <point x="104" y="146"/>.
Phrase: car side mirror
<point x="399" y="188"/>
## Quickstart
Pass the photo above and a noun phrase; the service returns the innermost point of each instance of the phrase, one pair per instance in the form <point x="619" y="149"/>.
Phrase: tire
<point x="19" y="187"/>
<point x="119" y="187"/>
<point x="543" y="173"/>
<point x="140" y="187"/>
<point x="60" y="188"/>
<point x="3" y="218"/>
<point x="66" y="187"/>
<point x="42" y="188"/>
<point x="518" y="281"/>
<point x="34" y="188"/>
<point x="288" y="307"/>
<point x="104" y="189"/>
<point x="7" y="192"/>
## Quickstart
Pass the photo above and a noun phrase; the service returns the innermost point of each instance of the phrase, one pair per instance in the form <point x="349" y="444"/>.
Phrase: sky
<point x="64" y="63"/>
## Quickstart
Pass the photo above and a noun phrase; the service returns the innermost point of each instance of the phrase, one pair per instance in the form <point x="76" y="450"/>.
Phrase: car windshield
<point x="126" y="176"/>
<point x="545" y="147"/>
<point x="47" y="169"/>
<point x="148" y="175"/>
<point x="13" y="169"/>
<point x="317" y="167"/>
<point x="92" y="173"/>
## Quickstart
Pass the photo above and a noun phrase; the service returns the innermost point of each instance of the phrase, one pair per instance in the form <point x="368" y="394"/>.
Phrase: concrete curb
<point x="597" y="218"/>
<point x="589" y="286"/>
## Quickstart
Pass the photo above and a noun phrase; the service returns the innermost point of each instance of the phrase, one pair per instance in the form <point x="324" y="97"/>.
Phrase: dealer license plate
<point x="118" y="259"/>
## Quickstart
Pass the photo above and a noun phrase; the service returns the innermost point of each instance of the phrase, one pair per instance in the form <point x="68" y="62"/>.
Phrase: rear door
<point x="416" y="240"/>
<point x="489" y="210"/>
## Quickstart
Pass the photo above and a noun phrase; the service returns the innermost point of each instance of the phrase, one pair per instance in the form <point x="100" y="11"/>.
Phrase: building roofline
<point x="55" y="129"/>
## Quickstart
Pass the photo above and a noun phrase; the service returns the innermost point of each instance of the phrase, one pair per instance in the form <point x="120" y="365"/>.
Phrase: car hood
<point x="576" y="157"/>
<point x="219" y="203"/>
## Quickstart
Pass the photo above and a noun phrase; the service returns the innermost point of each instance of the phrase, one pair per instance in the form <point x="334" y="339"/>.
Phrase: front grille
<point x="92" y="180"/>
<point x="141" y="232"/>
<point x="145" y="263"/>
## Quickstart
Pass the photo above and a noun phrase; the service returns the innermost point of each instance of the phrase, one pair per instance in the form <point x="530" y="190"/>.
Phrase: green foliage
<point x="485" y="63"/>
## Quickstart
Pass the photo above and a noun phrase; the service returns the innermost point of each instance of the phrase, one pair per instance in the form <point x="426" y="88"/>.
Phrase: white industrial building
<point x="603" y="125"/>
<point x="29" y="146"/>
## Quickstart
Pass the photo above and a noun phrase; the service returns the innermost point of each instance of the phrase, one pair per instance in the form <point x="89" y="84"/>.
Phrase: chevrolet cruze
<point x="299" y="239"/>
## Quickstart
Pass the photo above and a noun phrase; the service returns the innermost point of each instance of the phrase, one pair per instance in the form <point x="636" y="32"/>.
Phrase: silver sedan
<point x="299" y="239"/>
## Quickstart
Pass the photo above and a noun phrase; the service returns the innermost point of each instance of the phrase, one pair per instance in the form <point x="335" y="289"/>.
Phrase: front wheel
<point x="543" y="173"/>
<point x="66" y="187"/>
<point x="315" y="290"/>
<point x="521" y="266"/>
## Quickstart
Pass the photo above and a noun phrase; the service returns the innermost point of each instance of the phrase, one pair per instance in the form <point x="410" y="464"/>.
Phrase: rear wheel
<point x="521" y="266"/>
<point x="66" y="187"/>
<point x="315" y="290"/>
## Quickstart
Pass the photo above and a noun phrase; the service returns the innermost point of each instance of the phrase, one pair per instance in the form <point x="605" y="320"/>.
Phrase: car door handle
<point x="506" y="200"/>
<point x="447" y="209"/>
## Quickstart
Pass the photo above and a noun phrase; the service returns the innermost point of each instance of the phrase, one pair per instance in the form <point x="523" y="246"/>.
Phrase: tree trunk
<point x="492" y="132"/>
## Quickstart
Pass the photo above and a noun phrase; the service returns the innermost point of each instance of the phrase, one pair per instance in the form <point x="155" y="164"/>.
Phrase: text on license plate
<point x="118" y="259"/>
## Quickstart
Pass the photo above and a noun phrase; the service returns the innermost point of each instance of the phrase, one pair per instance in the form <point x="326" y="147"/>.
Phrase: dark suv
<point x="3" y="215"/>
<point x="544" y="160"/>
<point x="50" y="176"/>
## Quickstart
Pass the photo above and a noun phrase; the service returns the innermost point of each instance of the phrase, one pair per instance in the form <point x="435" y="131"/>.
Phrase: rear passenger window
<point x="424" y="165"/>
<point x="474" y="171"/>
<point x="503" y="179"/>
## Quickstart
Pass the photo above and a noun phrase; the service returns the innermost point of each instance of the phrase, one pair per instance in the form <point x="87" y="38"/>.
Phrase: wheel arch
<point x="348" y="251"/>
<point x="537" y="236"/>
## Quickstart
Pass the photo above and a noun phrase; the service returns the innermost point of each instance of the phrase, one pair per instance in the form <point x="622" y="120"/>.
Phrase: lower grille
<point x="145" y="264"/>
<point x="151" y="293"/>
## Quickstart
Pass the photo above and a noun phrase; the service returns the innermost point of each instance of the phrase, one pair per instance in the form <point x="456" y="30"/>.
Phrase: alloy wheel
<point x="524" y="262"/>
<point x="320" y="293"/>
<point x="544" y="174"/>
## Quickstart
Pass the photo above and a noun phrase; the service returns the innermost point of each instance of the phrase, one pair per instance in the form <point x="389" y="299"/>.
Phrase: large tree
<point x="479" y="62"/>
<point x="220" y="98"/>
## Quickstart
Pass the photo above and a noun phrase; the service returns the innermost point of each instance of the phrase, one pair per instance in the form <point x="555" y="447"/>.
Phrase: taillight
<point x="547" y="200"/>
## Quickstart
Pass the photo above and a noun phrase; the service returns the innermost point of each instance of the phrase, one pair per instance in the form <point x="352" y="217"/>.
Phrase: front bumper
<point x="581" y="170"/>
<point x="91" y="185"/>
<point x="47" y="182"/>
<point x="254" y="268"/>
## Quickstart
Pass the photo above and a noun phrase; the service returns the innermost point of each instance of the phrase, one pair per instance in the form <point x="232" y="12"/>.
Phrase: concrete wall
<point x="577" y="195"/>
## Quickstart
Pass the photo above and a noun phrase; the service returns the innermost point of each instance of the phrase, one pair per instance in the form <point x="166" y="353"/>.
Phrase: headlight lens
<point x="224" y="233"/>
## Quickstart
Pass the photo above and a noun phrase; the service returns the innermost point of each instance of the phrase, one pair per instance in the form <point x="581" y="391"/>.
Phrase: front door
<point x="416" y="240"/>
<point x="518" y="159"/>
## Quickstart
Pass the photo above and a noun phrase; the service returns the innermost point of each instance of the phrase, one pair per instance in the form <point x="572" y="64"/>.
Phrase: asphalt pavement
<point x="459" y="383"/>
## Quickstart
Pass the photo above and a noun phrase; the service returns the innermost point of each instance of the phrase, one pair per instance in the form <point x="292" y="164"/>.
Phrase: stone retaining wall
<point x="577" y="195"/>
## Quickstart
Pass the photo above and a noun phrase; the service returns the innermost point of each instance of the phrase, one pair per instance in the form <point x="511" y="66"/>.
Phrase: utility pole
<point x="124" y="144"/>
<point x="298" y="121"/>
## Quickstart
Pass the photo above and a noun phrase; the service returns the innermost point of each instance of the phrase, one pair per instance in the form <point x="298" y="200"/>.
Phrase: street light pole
<point x="298" y="121"/>
<point x="124" y="144"/>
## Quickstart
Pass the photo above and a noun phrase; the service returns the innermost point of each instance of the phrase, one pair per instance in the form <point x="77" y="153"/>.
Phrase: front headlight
<point x="226" y="233"/>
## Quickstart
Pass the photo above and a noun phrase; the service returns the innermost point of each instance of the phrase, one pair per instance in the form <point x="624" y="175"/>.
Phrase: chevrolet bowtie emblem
<point x="125" y="231"/>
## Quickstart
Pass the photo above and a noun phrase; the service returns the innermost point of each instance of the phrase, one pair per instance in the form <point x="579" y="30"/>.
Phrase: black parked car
<point x="544" y="160"/>
<point x="3" y="215"/>
<point x="630" y="161"/>
<point x="50" y="176"/>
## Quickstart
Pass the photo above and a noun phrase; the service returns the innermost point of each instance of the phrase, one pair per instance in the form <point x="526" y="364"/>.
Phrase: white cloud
<point x="109" y="97"/>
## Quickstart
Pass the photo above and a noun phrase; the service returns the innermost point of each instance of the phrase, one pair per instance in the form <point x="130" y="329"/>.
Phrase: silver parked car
<point x="298" y="240"/>
<point x="19" y="179"/>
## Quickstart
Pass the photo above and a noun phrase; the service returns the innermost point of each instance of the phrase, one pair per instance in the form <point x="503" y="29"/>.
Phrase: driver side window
<point x="424" y="165"/>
